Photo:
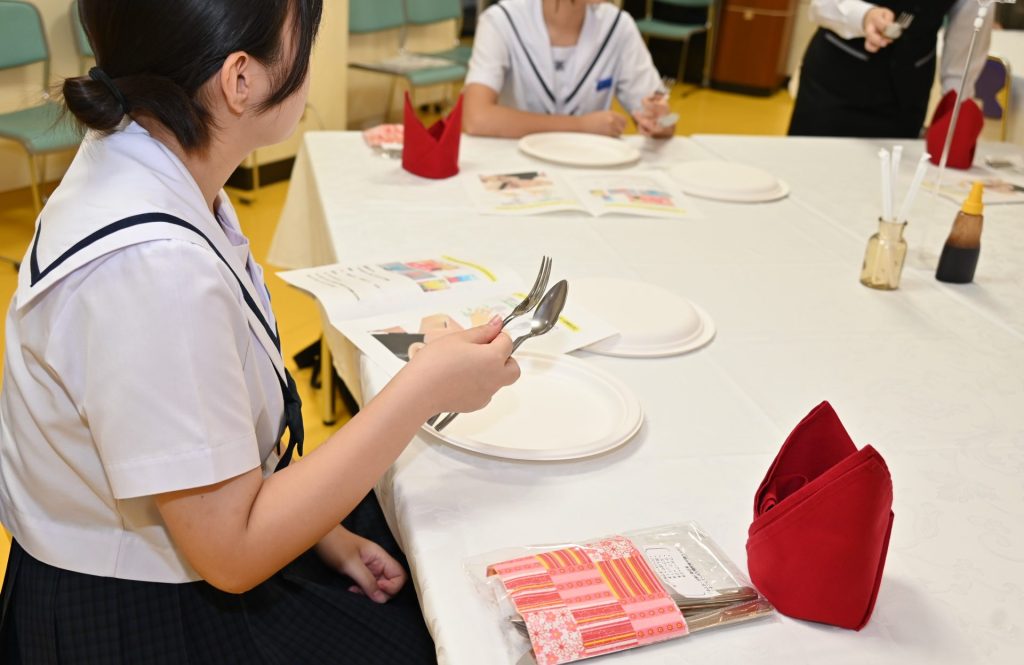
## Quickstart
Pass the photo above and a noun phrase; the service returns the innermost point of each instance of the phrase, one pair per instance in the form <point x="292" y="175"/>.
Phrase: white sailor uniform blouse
<point x="512" y="55"/>
<point x="141" y="357"/>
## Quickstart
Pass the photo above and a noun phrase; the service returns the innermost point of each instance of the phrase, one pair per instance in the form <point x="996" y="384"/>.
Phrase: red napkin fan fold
<point x="965" y="137"/>
<point x="822" y="519"/>
<point x="433" y="152"/>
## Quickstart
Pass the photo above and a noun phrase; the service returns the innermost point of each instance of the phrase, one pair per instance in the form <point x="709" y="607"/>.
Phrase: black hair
<point x="159" y="54"/>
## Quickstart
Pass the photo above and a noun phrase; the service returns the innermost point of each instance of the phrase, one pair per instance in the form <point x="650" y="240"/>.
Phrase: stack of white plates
<point x="578" y="149"/>
<point x="726" y="181"/>
<point x="533" y="420"/>
<point x="651" y="321"/>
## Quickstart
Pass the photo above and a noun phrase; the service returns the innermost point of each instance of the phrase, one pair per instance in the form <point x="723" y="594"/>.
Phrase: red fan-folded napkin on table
<point x="822" y="518"/>
<point x="965" y="137"/>
<point x="433" y="152"/>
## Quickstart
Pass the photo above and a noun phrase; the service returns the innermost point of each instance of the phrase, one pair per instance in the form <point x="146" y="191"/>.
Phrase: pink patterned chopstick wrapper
<point x="384" y="134"/>
<point x="581" y="602"/>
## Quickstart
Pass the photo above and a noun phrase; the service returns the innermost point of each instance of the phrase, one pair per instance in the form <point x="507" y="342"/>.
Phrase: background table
<point x="932" y="375"/>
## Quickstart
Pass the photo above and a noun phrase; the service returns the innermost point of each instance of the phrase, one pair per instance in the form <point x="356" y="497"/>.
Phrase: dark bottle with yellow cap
<point x="960" y="253"/>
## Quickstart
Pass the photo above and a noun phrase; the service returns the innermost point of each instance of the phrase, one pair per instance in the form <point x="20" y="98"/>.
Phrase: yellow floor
<point x="701" y="111"/>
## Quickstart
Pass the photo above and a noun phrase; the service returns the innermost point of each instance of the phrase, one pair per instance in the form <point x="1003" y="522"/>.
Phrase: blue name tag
<point x="604" y="84"/>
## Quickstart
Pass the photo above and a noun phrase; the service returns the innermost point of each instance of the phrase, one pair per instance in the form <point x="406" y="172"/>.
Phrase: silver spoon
<point x="544" y="319"/>
<point x="546" y="316"/>
<point x="540" y="284"/>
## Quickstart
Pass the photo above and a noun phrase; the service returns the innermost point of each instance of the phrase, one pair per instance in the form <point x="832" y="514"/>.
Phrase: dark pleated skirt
<point x="304" y="614"/>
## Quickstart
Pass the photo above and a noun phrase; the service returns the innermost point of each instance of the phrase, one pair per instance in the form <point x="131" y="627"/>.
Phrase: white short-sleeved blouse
<point x="135" y="373"/>
<point x="512" y="55"/>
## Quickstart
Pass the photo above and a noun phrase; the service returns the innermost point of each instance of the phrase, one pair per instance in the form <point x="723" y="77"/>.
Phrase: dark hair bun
<point x="92" y="103"/>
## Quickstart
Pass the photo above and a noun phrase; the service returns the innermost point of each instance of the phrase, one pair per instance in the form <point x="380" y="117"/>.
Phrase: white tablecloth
<point x="932" y="375"/>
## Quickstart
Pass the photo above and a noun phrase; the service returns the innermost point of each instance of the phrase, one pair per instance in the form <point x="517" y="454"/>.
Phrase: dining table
<point x="930" y="374"/>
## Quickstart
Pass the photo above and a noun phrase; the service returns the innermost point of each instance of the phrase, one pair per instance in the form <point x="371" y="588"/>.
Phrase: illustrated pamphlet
<point x="391" y="310"/>
<point x="645" y="194"/>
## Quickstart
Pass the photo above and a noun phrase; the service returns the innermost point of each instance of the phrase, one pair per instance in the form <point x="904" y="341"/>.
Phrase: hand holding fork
<point x="531" y="300"/>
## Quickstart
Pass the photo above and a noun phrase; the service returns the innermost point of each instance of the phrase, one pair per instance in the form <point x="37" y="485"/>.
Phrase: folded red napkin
<point x="965" y="136"/>
<point x="433" y="152"/>
<point x="822" y="518"/>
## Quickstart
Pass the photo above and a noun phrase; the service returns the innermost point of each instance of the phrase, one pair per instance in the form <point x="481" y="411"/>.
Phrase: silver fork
<point x="895" y="29"/>
<point x="540" y="285"/>
<point x="544" y="319"/>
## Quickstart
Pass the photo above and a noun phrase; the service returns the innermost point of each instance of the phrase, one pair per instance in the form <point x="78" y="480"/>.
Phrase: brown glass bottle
<point x="959" y="257"/>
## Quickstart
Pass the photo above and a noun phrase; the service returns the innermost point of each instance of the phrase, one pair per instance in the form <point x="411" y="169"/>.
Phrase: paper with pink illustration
<point x="356" y="291"/>
<point x="393" y="339"/>
<point x="528" y="192"/>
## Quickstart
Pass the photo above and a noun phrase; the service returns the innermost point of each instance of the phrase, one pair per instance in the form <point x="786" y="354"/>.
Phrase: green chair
<point x="40" y="129"/>
<point x="372" y="16"/>
<point x="679" y="32"/>
<point x="82" y="45"/>
<point x="426" y="12"/>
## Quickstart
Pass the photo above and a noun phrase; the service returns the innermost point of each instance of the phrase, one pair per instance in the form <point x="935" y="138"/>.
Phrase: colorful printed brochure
<point x="646" y="194"/>
<point x="390" y="310"/>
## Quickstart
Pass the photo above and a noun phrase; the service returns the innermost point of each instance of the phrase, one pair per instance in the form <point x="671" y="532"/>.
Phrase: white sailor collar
<point x="531" y="34"/>
<point x="125" y="189"/>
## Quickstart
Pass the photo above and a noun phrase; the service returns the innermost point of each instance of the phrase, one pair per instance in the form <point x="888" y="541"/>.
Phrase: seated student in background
<point x="555" y="65"/>
<point x="856" y="82"/>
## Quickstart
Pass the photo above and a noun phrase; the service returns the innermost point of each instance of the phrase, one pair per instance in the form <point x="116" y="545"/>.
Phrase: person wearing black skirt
<point x="855" y="81"/>
<point x="155" y="518"/>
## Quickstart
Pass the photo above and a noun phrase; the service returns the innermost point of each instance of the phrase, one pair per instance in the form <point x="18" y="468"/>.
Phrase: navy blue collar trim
<point x="136" y="220"/>
<point x="533" y="66"/>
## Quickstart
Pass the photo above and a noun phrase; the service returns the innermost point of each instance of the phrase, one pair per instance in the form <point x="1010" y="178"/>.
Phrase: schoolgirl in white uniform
<point x="556" y="65"/>
<point x="144" y="392"/>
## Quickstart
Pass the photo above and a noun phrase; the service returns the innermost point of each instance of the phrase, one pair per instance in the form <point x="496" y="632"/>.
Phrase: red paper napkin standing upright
<point x="822" y="518"/>
<point x="965" y="137"/>
<point x="433" y="152"/>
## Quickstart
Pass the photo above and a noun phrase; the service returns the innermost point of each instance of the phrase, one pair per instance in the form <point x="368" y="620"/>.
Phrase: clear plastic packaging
<point x="566" y="602"/>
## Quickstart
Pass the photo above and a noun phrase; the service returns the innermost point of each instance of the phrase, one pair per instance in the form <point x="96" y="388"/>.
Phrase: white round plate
<point x="560" y="408"/>
<point x="579" y="149"/>
<point x="726" y="181"/>
<point x="652" y="321"/>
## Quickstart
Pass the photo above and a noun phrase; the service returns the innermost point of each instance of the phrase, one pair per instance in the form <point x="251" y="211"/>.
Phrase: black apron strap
<point x="289" y="391"/>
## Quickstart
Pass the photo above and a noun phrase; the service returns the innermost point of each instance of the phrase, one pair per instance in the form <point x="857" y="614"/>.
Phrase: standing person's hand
<point x="608" y="123"/>
<point x="375" y="572"/>
<point x="655" y="107"/>
<point x="461" y="371"/>
<point x="875" y="21"/>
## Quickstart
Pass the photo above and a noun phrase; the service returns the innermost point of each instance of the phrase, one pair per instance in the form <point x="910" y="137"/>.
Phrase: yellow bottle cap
<point x="973" y="205"/>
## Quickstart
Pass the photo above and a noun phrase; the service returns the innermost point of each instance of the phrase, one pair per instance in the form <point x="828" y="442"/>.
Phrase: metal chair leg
<point x="250" y="198"/>
<point x="327" y="404"/>
<point x="391" y="99"/>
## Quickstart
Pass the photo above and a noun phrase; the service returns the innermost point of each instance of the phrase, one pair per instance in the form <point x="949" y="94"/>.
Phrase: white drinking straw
<point x="908" y="200"/>
<point x="897" y="156"/>
<point x="883" y="157"/>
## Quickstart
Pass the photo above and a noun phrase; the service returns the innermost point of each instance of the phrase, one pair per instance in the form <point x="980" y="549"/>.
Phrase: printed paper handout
<point x="647" y="193"/>
<point x="1000" y="186"/>
<point x="390" y="310"/>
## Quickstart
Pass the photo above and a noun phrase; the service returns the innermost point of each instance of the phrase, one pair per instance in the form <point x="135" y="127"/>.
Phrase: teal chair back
<point x="422" y="12"/>
<point x="375" y="15"/>
<point x="22" y="41"/>
<point x="81" y="39"/>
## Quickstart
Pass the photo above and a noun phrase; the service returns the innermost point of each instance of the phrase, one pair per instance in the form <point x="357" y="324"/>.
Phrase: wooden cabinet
<point x="752" y="45"/>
